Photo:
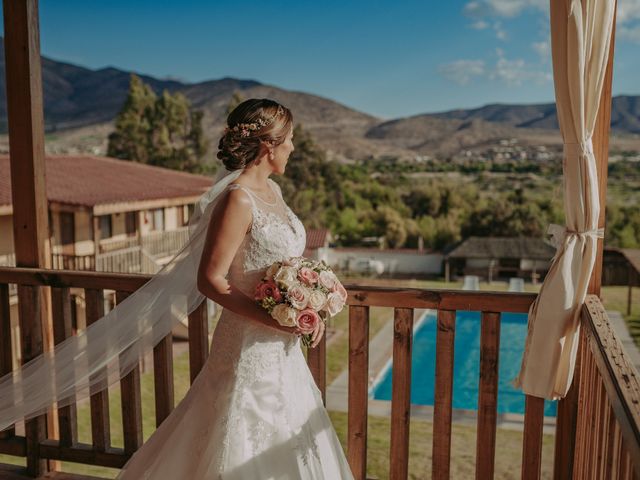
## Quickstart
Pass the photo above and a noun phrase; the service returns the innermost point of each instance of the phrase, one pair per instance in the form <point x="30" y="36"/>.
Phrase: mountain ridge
<point x="81" y="104"/>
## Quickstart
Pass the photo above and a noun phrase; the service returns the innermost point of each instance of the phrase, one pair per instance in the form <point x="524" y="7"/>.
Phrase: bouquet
<point x="300" y="292"/>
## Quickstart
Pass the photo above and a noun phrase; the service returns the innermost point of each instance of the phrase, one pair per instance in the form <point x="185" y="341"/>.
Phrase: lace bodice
<point x="276" y="233"/>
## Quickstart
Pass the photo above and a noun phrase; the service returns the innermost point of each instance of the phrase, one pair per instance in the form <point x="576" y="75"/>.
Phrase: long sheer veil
<point x="111" y="347"/>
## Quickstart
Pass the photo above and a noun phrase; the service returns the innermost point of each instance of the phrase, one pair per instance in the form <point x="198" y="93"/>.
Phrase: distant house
<point x="318" y="239"/>
<point x="107" y="214"/>
<point x="621" y="266"/>
<point x="500" y="257"/>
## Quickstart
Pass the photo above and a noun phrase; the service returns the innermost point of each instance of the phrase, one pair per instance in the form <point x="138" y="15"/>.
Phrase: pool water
<point x="466" y="369"/>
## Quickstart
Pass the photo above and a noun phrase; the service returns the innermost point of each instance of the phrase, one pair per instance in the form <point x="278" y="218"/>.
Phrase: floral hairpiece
<point x="245" y="129"/>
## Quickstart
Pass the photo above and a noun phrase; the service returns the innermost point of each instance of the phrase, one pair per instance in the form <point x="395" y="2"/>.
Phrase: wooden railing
<point x="61" y="261"/>
<point x="607" y="439"/>
<point x="125" y="255"/>
<point x="162" y="244"/>
<point x="101" y="451"/>
<point x="126" y="260"/>
<point x="447" y="302"/>
<point x="112" y="244"/>
<point x="608" y="429"/>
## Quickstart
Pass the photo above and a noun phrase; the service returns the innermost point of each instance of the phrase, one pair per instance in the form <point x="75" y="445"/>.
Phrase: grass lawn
<point x="508" y="443"/>
<point x="615" y="298"/>
<point x="463" y="448"/>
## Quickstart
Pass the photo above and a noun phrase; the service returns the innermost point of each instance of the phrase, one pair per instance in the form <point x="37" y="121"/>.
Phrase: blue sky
<point x="386" y="58"/>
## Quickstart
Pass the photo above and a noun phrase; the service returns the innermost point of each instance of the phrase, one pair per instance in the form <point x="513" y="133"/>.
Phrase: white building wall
<point x="171" y="218"/>
<point x="84" y="233"/>
<point x="6" y="234"/>
<point x="400" y="262"/>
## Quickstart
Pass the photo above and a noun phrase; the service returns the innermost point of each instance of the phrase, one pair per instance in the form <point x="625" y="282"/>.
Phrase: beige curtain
<point x="580" y="39"/>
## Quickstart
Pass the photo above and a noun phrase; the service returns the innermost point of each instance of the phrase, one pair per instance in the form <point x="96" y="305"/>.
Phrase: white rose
<point x="317" y="300"/>
<point x="296" y="262"/>
<point x="334" y="303"/>
<point x="298" y="295"/>
<point x="284" y="315"/>
<point x="272" y="270"/>
<point x="327" y="279"/>
<point x="286" y="276"/>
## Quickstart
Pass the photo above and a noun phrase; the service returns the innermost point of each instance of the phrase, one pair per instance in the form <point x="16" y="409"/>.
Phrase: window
<point x="105" y="226"/>
<point x="158" y="219"/>
<point x="130" y="223"/>
<point x="67" y="228"/>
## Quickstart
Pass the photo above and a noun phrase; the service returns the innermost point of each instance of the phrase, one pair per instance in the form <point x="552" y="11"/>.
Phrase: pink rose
<point x="335" y="303"/>
<point x="328" y="279"/>
<point x="307" y="321"/>
<point x="268" y="289"/>
<point x="298" y="295"/>
<point x="340" y="290"/>
<point x="308" y="276"/>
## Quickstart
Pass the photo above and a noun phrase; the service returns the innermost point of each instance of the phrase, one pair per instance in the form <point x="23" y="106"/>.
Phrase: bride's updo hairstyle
<point x="249" y="125"/>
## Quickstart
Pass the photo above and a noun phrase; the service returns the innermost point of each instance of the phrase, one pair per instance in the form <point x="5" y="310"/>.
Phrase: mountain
<point x="80" y="105"/>
<point x="625" y="114"/>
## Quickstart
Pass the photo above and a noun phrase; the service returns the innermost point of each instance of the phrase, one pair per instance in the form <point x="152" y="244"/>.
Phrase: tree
<point x="236" y="99"/>
<point x="158" y="130"/>
<point x="130" y="139"/>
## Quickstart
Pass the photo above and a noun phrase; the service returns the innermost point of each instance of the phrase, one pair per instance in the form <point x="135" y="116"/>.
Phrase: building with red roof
<point x="100" y="207"/>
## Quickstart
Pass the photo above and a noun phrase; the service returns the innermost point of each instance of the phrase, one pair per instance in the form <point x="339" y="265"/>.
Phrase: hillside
<point x="80" y="106"/>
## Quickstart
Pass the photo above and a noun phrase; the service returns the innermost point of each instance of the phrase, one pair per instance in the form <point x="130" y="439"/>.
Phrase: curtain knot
<point x="560" y="232"/>
<point x="578" y="148"/>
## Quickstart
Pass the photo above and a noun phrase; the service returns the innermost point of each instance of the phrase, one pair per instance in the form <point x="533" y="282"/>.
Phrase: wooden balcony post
<point x="27" y="164"/>
<point x="566" y="419"/>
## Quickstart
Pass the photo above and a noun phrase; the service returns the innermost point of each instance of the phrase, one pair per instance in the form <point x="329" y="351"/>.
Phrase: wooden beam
<point x="358" y="390"/>
<point x="27" y="165"/>
<point x="566" y="419"/>
<point x="601" y="153"/>
<point x="401" y="393"/>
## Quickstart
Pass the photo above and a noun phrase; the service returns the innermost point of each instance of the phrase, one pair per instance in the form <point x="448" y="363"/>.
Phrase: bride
<point x="254" y="411"/>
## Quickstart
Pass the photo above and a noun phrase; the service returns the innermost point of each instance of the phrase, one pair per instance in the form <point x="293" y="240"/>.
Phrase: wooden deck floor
<point x="12" y="472"/>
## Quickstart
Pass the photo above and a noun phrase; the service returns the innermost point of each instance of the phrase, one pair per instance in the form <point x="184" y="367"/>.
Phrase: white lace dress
<point x="254" y="411"/>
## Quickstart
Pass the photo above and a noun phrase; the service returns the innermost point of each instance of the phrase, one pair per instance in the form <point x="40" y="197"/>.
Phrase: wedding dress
<point x="254" y="411"/>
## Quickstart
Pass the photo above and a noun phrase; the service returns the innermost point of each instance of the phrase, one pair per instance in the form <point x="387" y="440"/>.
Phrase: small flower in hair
<point x="245" y="129"/>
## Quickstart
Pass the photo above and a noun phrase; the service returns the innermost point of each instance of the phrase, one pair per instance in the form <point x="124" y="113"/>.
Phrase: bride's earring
<point x="271" y="155"/>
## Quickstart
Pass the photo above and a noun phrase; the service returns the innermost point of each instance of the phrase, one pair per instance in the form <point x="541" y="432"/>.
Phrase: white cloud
<point x="516" y="72"/>
<point x="490" y="12"/>
<point x="542" y="49"/>
<point x="501" y="33"/>
<point x="485" y="13"/>
<point x="511" y="72"/>
<point x="502" y="8"/>
<point x="628" y="20"/>
<point x="462" y="71"/>
<point x="629" y="33"/>
<point x="628" y="11"/>
<point x="480" y="25"/>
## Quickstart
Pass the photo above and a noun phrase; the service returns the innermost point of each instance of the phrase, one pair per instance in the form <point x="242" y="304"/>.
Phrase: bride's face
<point x="282" y="152"/>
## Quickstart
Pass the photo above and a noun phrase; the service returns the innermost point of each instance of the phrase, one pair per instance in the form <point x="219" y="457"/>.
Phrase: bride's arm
<point x="228" y="225"/>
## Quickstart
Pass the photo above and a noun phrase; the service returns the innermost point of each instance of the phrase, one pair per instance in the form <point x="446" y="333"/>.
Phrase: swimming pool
<point x="466" y="369"/>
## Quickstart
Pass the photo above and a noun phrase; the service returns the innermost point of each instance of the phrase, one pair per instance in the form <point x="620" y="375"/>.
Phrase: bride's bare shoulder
<point x="233" y="208"/>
